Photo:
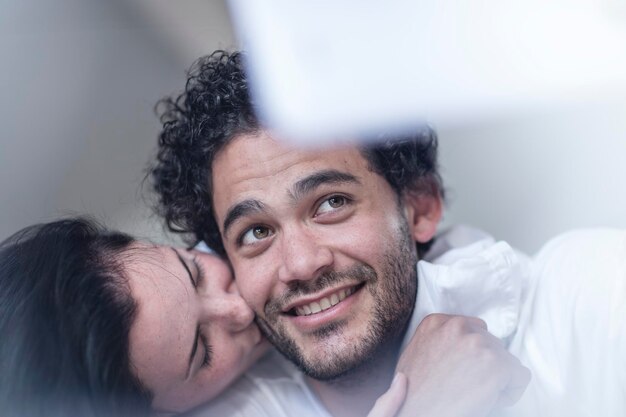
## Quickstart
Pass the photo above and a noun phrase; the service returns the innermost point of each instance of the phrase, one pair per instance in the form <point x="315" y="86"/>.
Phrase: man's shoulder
<point x="581" y="276"/>
<point x="585" y="248"/>
<point x="573" y="332"/>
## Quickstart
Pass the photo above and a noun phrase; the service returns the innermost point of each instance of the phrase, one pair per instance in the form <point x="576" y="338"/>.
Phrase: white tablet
<point x="324" y="70"/>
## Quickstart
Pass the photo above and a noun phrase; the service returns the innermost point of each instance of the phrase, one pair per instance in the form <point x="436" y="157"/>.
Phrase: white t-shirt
<point x="563" y="314"/>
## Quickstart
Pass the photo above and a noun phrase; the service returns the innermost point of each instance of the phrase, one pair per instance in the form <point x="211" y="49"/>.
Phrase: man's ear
<point x="423" y="212"/>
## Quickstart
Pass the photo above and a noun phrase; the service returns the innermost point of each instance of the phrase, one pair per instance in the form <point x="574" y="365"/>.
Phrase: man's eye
<point x="255" y="234"/>
<point x="331" y="203"/>
<point x="260" y="232"/>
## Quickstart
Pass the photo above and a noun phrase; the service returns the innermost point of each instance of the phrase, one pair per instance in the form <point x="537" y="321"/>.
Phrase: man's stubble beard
<point x="394" y="299"/>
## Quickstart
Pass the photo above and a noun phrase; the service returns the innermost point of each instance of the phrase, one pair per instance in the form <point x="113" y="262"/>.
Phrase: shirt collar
<point x="481" y="278"/>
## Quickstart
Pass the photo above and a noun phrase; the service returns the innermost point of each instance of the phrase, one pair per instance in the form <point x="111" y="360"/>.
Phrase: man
<point x="324" y="246"/>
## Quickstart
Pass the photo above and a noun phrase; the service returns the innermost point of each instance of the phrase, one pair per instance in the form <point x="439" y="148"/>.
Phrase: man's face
<point x="321" y="249"/>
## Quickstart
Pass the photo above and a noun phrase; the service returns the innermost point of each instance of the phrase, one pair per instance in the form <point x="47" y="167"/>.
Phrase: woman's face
<point x="193" y="334"/>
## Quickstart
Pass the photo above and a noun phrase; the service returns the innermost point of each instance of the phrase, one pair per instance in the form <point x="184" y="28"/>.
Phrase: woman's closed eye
<point x="200" y="273"/>
<point x="208" y="352"/>
<point x="201" y="353"/>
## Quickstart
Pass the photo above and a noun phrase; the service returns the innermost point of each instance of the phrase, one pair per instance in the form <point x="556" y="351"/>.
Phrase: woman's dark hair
<point x="214" y="109"/>
<point x="65" y="316"/>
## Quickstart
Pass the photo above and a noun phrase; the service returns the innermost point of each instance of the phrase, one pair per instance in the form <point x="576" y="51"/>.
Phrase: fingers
<point x="388" y="404"/>
<point x="438" y="320"/>
<point x="456" y="357"/>
<point x="477" y="322"/>
<point x="520" y="377"/>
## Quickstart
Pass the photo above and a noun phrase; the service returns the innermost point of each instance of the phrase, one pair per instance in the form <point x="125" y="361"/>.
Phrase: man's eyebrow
<point x="239" y="210"/>
<point x="194" y="348"/>
<point x="313" y="181"/>
<point x="300" y="188"/>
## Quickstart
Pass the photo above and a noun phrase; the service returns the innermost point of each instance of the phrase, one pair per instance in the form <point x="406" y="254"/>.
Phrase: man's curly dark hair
<point x="215" y="108"/>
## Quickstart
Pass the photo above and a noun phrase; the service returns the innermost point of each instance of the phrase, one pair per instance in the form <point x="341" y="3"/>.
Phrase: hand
<point x="456" y="368"/>
<point x="388" y="404"/>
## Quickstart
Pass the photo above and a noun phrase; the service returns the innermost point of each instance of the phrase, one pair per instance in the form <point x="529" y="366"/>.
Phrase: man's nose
<point x="304" y="257"/>
<point x="228" y="310"/>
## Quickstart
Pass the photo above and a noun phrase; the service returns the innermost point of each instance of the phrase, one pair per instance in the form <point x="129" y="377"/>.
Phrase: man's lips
<point x="322" y="303"/>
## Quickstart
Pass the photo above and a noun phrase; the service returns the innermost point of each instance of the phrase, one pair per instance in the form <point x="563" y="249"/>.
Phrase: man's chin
<point x="344" y="365"/>
<point x="332" y="358"/>
<point x="332" y="352"/>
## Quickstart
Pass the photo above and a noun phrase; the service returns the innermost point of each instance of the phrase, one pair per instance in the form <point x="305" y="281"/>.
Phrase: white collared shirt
<point x="572" y="328"/>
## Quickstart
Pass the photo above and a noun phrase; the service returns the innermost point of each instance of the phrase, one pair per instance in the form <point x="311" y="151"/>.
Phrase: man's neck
<point x="355" y="394"/>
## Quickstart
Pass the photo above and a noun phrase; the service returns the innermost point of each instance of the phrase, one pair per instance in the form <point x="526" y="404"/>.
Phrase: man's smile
<point x="322" y="303"/>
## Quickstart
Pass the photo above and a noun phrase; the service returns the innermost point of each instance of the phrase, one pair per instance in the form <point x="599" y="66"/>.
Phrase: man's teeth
<point x="325" y="303"/>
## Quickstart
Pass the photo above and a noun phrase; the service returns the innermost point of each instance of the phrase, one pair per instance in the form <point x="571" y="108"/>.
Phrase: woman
<point x="94" y="323"/>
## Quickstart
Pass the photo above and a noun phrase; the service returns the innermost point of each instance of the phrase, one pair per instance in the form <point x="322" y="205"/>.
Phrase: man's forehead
<point x="260" y="155"/>
<point x="258" y="168"/>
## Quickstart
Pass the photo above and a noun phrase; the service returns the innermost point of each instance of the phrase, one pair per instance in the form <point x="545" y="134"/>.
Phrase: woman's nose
<point x="228" y="310"/>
